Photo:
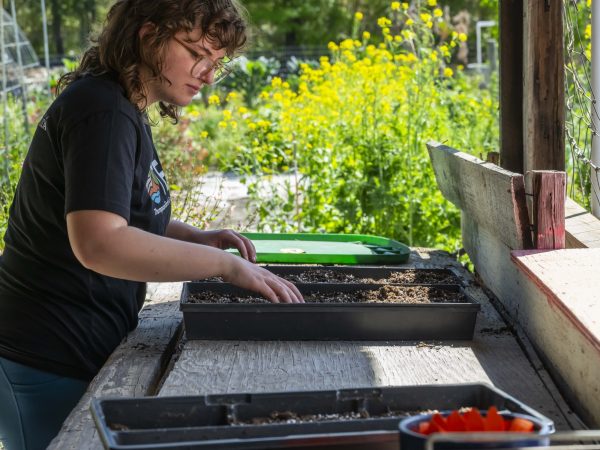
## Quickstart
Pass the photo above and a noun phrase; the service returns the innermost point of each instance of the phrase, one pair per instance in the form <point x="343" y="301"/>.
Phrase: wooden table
<point x="155" y="359"/>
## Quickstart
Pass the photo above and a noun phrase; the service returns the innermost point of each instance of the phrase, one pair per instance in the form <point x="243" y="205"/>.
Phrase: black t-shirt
<point x="92" y="150"/>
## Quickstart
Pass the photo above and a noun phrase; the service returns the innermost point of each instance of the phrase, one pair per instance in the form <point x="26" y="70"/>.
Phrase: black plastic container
<point x="325" y="321"/>
<point x="204" y="422"/>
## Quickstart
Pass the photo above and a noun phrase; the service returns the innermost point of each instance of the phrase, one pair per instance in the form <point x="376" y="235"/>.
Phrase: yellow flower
<point x="448" y="72"/>
<point x="588" y="31"/>
<point x="429" y="24"/>
<point x="347" y="44"/>
<point x="408" y="35"/>
<point x="434" y="56"/>
<point x="405" y="5"/>
<point x="431" y="2"/>
<point x="243" y="110"/>
<point x="398" y="38"/>
<point x="395" y="6"/>
<point x="226" y="114"/>
<point x="232" y="96"/>
<point x="425" y="17"/>
<point x="409" y="22"/>
<point x="385" y="31"/>
<point x="462" y="37"/>
<point x="384" y="22"/>
<point x="222" y="124"/>
<point x="204" y="134"/>
<point x="214" y="100"/>
<point x="366" y="35"/>
<point x="332" y="46"/>
<point x="276" y="82"/>
<point x="445" y="50"/>
<point x="437" y="12"/>
<point x="358" y="16"/>
<point x="194" y="113"/>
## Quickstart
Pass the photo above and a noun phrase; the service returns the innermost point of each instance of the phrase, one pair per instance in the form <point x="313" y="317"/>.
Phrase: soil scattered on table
<point x="385" y="294"/>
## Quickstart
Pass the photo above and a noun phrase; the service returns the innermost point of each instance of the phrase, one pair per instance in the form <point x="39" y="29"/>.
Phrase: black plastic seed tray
<point x="325" y="321"/>
<point x="230" y="421"/>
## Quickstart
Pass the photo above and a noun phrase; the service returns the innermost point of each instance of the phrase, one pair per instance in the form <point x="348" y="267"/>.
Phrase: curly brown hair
<point x="119" y="50"/>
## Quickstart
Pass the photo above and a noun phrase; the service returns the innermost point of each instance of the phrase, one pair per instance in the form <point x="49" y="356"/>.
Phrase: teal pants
<point x="33" y="405"/>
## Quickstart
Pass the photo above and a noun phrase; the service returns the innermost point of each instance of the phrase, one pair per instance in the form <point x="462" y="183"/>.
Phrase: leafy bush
<point x="354" y="134"/>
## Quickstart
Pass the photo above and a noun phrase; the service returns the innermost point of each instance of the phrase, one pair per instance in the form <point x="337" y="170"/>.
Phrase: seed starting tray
<point x="325" y="321"/>
<point x="213" y="421"/>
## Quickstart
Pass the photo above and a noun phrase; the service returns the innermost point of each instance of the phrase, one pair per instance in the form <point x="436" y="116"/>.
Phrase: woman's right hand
<point x="255" y="278"/>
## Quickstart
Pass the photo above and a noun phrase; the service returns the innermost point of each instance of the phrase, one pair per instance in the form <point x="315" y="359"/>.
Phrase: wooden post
<point x="511" y="85"/>
<point x="544" y="91"/>
<point x="549" y="191"/>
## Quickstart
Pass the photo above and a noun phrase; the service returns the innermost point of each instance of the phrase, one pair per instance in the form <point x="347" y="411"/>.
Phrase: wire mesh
<point x="581" y="107"/>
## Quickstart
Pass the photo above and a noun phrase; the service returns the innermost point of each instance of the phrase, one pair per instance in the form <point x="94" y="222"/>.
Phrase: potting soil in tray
<point x="239" y="421"/>
<point x="382" y="294"/>
<point x="332" y="312"/>
<point x="372" y="275"/>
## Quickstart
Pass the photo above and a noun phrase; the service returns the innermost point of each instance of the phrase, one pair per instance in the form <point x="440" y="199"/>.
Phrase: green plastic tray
<point x="317" y="248"/>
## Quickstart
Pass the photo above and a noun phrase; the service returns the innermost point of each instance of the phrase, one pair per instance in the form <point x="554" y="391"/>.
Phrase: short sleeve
<point x="99" y="154"/>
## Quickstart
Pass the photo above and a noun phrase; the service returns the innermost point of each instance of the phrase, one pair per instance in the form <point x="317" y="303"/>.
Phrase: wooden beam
<point x="511" y="85"/>
<point x="549" y="209"/>
<point x="490" y="195"/>
<point x="544" y="96"/>
<point x="582" y="228"/>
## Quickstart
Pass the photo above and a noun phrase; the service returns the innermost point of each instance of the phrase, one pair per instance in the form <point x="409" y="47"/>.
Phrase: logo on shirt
<point x="44" y="123"/>
<point x="156" y="185"/>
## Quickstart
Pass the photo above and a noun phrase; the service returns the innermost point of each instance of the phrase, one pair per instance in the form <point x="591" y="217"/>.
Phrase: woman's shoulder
<point x="94" y="94"/>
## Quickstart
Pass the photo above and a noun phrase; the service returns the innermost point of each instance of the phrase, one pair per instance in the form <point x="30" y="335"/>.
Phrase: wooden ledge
<point x="568" y="278"/>
<point x="582" y="228"/>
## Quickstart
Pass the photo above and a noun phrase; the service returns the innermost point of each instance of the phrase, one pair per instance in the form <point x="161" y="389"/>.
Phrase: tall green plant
<point x="353" y="133"/>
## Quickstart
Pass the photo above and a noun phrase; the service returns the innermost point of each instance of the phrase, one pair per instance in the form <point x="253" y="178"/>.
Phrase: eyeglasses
<point x="221" y="68"/>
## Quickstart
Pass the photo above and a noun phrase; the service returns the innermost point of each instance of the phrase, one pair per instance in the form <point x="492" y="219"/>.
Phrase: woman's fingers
<point x="288" y="292"/>
<point x="241" y="243"/>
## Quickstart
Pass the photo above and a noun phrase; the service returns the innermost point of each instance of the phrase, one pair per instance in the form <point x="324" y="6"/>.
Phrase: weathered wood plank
<point x="494" y="356"/>
<point x="494" y="197"/>
<point x="565" y="319"/>
<point x="570" y="358"/>
<point x="549" y="209"/>
<point x="544" y="92"/>
<point x="582" y="228"/>
<point x="134" y="369"/>
<point x="511" y="85"/>
<point x="228" y="367"/>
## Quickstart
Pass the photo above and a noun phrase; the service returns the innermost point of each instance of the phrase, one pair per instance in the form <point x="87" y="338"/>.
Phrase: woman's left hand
<point x="225" y="239"/>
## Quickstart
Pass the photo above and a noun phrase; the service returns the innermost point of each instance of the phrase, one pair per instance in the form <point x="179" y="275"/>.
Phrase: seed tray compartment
<point x="212" y="421"/>
<point x="325" y="321"/>
<point x="359" y="274"/>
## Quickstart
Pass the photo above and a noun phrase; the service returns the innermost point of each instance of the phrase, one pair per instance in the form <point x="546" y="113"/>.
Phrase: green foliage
<point x="352" y="136"/>
<point x="12" y="156"/>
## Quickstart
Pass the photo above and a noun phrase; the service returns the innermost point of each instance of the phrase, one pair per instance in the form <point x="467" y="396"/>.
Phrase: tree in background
<point x="278" y="23"/>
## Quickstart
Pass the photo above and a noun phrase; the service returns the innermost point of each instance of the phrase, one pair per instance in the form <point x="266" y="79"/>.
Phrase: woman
<point x="90" y="221"/>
